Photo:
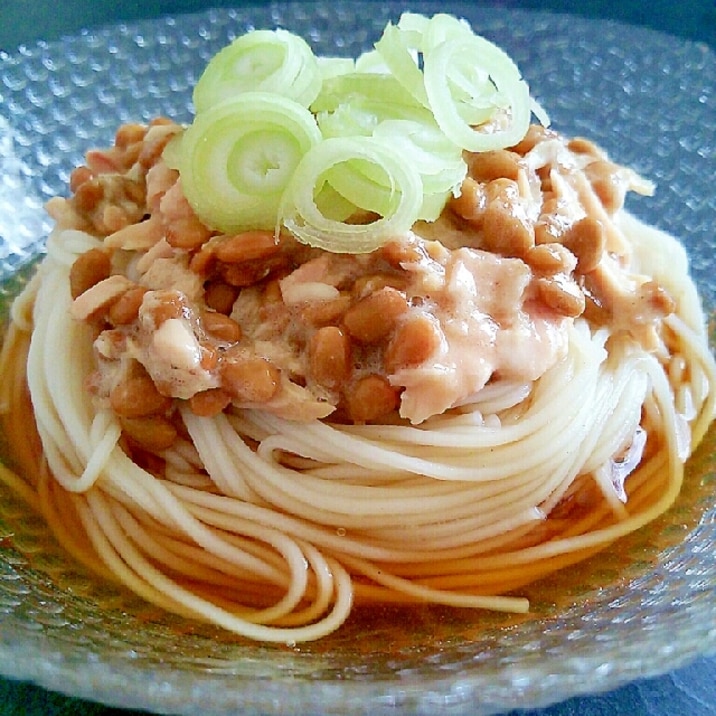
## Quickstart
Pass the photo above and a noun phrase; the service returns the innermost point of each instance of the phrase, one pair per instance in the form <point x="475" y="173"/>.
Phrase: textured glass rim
<point x="490" y="687"/>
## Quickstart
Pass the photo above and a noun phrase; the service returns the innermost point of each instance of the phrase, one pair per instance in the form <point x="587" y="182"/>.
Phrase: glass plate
<point x="644" y="607"/>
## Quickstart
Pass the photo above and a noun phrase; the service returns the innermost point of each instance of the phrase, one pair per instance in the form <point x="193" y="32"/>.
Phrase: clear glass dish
<point x="646" y="606"/>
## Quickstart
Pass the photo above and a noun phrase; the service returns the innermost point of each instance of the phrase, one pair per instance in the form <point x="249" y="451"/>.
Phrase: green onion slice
<point x="362" y="87"/>
<point x="362" y="116"/>
<point x="434" y="30"/>
<point x="370" y="177"/>
<point x="437" y="160"/>
<point x="463" y="94"/>
<point x="335" y="66"/>
<point x="263" y="60"/>
<point x="402" y="60"/>
<point x="466" y="80"/>
<point x="237" y="158"/>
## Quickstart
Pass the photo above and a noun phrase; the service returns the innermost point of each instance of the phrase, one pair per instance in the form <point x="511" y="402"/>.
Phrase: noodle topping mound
<point x="412" y="329"/>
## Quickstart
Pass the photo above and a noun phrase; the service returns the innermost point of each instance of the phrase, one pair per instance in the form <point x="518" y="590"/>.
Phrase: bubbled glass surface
<point x="641" y="608"/>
